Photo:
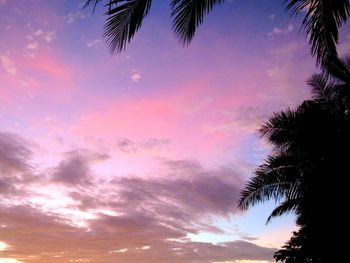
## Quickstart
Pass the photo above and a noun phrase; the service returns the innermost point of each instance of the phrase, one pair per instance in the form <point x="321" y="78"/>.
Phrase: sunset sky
<point x="140" y="156"/>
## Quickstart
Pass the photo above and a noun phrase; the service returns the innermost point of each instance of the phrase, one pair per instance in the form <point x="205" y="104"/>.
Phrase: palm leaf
<point x="255" y="192"/>
<point x="339" y="70"/>
<point x="322" y="21"/>
<point x="188" y="15"/>
<point x="278" y="178"/>
<point x="287" y="206"/>
<point x="269" y="182"/>
<point x="281" y="128"/>
<point x="93" y="2"/>
<point x="125" y="18"/>
<point x="322" y="89"/>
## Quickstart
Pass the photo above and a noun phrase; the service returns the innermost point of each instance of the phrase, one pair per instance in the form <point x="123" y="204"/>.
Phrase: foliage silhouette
<point x="305" y="170"/>
<point x="322" y="20"/>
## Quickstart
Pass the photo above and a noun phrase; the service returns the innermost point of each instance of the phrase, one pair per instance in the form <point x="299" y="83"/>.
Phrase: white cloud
<point x="145" y="247"/>
<point x="135" y="76"/>
<point x="37" y="37"/>
<point x="38" y="32"/>
<point x="32" y="45"/>
<point x="9" y="260"/>
<point x="123" y="250"/>
<point x="94" y="43"/>
<point x="278" y="31"/>
<point x="49" y="36"/>
<point x="8" y="65"/>
<point x="3" y="246"/>
<point x="71" y="17"/>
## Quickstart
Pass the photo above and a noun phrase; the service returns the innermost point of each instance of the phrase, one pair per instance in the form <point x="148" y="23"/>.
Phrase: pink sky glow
<point x="140" y="157"/>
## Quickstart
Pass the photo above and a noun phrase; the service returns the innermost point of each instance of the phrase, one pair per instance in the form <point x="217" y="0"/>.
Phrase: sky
<point x="140" y="156"/>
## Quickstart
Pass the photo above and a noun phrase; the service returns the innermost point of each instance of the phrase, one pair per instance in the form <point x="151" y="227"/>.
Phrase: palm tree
<point x="305" y="172"/>
<point x="322" y="20"/>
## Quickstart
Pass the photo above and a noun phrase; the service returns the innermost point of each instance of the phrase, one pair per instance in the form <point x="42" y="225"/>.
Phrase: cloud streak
<point x="110" y="239"/>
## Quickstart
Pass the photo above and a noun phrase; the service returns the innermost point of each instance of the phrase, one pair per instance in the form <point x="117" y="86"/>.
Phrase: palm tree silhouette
<point x="322" y="20"/>
<point x="305" y="170"/>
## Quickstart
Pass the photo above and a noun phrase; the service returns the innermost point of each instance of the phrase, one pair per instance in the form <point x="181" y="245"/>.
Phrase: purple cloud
<point x="14" y="154"/>
<point x="133" y="238"/>
<point x="75" y="168"/>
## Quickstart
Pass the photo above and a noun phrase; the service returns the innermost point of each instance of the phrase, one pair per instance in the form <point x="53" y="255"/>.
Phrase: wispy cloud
<point x="32" y="45"/>
<point x="278" y="31"/>
<point x="247" y="118"/>
<point x="94" y="44"/>
<point x="49" y="36"/>
<point x="36" y="39"/>
<point x="135" y="76"/>
<point x="8" y="65"/>
<point x="129" y="146"/>
<point x="73" y="16"/>
<point x="39" y="32"/>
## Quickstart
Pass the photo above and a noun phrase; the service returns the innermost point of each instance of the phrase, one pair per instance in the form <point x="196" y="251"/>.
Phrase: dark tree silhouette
<point x="322" y="20"/>
<point x="305" y="172"/>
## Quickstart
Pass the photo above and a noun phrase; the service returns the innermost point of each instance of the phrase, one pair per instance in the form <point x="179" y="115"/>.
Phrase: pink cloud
<point x="178" y="115"/>
<point x="48" y="63"/>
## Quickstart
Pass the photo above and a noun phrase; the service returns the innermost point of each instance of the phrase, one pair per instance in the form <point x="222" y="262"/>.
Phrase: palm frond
<point x="125" y="18"/>
<point x="338" y="70"/>
<point x="282" y="160"/>
<point x="281" y="128"/>
<point x="255" y="193"/>
<point x="268" y="182"/>
<point x="321" y="88"/>
<point x="321" y="22"/>
<point x="278" y="178"/>
<point x="287" y="206"/>
<point x="188" y="15"/>
<point x="93" y="2"/>
<point x="89" y="2"/>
